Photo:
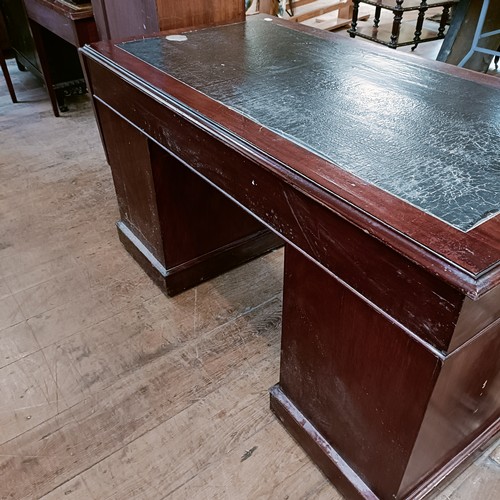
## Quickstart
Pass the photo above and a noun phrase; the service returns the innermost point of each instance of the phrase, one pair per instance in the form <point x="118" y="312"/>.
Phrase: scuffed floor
<point x="109" y="389"/>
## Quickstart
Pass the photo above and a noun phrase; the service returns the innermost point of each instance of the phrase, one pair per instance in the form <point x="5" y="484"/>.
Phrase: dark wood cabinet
<point x="128" y="18"/>
<point x="45" y="35"/>
<point x="21" y="39"/>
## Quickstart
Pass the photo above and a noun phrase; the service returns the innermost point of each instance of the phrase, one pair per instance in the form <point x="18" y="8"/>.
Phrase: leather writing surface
<point x="425" y="136"/>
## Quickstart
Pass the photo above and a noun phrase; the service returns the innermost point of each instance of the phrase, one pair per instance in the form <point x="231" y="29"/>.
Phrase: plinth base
<point x="340" y="473"/>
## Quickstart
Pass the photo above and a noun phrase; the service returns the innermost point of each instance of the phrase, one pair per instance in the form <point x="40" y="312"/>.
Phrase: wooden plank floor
<point x="109" y="389"/>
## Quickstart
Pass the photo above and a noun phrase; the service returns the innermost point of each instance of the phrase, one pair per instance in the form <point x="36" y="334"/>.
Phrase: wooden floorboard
<point x="109" y="389"/>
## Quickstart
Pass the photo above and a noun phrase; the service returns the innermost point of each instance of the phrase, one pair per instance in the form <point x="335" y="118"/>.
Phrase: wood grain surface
<point x="380" y="345"/>
<point x="109" y="389"/>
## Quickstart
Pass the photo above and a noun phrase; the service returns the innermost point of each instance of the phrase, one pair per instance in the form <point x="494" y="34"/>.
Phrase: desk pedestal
<point x="357" y="388"/>
<point x="179" y="228"/>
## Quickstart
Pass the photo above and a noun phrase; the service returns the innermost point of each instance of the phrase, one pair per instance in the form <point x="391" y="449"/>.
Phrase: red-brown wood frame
<point x="391" y="317"/>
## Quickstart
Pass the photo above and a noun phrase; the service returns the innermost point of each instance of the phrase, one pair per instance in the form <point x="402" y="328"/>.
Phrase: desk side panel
<point x="357" y="377"/>
<point x="192" y="230"/>
<point x="464" y="408"/>
<point x="361" y="381"/>
<point x="128" y="156"/>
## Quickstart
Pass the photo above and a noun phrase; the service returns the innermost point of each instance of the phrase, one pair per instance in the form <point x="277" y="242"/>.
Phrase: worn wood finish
<point x="382" y="281"/>
<point x="111" y="389"/>
<point x="165" y="201"/>
<point x="384" y="313"/>
<point x="117" y="19"/>
<point x="375" y="272"/>
<point x="331" y="334"/>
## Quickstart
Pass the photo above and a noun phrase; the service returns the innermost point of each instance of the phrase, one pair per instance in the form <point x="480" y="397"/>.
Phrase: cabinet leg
<point x="37" y="32"/>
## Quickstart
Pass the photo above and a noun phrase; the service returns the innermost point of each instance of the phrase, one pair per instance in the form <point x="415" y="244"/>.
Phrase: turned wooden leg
<point x="420" y="23"/>
<point x="396" y="25"/>
<point x="354" y="22"/>
<point x="444" y="21"/>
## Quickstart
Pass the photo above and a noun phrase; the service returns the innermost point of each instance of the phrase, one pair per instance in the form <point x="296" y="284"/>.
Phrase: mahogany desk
<point x="59" y="28"/>
<point x="380" y="172"/>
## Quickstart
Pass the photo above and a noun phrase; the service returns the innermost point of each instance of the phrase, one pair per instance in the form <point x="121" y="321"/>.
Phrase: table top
<point x="400" y="128"/>
<point x="412" y="143"/>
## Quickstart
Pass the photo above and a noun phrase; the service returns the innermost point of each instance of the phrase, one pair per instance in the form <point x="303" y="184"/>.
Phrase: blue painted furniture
<point x="479" y="35"/>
